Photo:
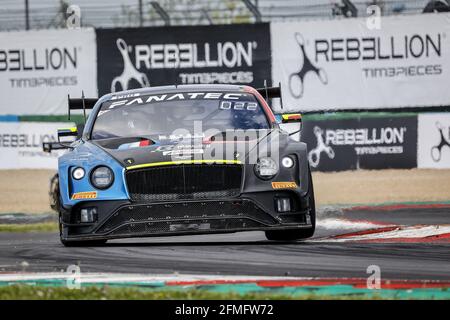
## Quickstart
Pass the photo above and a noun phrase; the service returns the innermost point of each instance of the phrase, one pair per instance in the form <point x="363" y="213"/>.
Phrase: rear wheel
<point x="54" y="195"/>
<point x="300" y="233"/>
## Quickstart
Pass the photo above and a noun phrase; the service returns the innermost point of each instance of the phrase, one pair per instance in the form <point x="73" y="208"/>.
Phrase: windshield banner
<point x="141" y="57"/>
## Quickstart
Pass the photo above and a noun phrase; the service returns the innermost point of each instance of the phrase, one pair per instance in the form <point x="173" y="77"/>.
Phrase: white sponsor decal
<point x="186" y="55"/>
<point x="433" y="148"/>
<point x="182" y="96"/>
<point x="343" y="64"/>
<point x="182" y="152"/>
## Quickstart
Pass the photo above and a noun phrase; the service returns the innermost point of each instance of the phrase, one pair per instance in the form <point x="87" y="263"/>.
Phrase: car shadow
<point x="203" y="244"/>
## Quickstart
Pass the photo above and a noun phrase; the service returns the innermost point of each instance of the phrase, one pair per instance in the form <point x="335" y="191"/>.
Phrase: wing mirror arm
<point x="290" y="122"/>
<point x="63" y="133"/>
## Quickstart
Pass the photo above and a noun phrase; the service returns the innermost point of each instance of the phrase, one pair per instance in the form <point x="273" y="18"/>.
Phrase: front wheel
<point x="300" y="233"/>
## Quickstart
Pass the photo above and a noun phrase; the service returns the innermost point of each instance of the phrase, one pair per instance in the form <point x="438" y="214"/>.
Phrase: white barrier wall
<point x="433" y="146"/>
<point x="21" y="144"/>
<point x="39" y="68"/>
<point x="343" y="64"/>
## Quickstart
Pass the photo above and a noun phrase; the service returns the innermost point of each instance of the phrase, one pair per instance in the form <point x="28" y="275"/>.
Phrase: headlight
<point x="102" y="177"/>
<point x="266" y="168"/>
<point x="287" y="162"/>
<point x="78" y="173"/>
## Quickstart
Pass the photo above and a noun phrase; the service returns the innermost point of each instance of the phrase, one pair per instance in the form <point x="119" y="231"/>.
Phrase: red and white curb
<point x="394" y="234"/>
<point x="347" y="224"/>
<point x="128" y="278"/>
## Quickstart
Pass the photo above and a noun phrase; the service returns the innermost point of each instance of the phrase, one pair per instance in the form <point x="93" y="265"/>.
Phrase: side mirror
<point x="291" y="118"/>
<point x="66" y="135"/>
<point x="50" y="146"/>
<point x="65" y="138"/>
<point x="291" y="123"/>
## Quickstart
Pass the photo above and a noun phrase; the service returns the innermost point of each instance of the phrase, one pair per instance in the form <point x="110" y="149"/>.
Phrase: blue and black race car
<point x="178" y="160"/>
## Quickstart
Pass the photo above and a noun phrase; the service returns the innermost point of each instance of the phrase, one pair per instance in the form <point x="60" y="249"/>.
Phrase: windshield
<point x="166" y="114"/>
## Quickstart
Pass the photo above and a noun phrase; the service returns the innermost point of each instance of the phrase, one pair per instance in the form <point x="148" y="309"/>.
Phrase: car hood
<point x="135" y="153"/>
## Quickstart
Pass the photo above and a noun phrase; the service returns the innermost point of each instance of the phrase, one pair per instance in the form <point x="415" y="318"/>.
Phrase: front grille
<point x="185" y="181"/>
<point x="190" y="210"/>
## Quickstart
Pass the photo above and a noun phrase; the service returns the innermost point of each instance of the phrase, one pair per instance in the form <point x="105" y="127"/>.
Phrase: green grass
<point x="29" y="292"/>
<point x="30" y="227"/>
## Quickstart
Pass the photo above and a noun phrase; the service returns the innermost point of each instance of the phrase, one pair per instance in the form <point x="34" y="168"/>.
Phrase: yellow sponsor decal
<point x="84" y="195"/>
<point x="71" y="129"/>
<point x="284" y="185"/>
<point x="291" y="116"/>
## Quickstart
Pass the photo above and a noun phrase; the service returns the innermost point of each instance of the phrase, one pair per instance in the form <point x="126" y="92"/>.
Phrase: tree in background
<point x="185" y="12"/>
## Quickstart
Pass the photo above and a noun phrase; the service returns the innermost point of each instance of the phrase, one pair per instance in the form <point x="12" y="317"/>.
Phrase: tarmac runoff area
<point x="408" y="244"/>
<point x="406" y="236"/>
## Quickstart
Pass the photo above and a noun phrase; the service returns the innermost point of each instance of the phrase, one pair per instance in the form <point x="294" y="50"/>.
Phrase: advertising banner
<point x="344" y="64"/>
<point x="21" y="144"/>
<point x="434" y="140"/>
<point x="38" y="69"/>
<point x="361" y="143"/>
<point x="140" y="57"/>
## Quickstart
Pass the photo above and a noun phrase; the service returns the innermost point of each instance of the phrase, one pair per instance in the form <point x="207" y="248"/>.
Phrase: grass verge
<point x="30" y="227"/>
<point x="29" y="292"/>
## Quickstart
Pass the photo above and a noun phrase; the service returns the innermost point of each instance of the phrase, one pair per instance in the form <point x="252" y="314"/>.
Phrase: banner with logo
<point x="434" y="140"/>
<point x="21" y="144"/>
<point x="38" y="69"/>
<point x="140" y="57"/>
<point x="404" y="61"/>
<point x="361" y="143"/>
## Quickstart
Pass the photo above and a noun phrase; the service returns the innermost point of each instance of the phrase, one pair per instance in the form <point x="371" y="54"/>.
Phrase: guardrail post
<point x="162" y="13"/>
<point x="254" y="10"/>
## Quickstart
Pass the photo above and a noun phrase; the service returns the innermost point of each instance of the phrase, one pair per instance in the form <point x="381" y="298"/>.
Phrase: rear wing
<point x="289" y="122"/>
<point x="77" y="103"/>
<point x="80" y="104"/>
<point x="270" y="92"/>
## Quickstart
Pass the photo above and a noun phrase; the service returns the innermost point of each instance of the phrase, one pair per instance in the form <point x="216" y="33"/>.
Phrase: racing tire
<point x="54" y="196"/>
<point x="301" y="233"/>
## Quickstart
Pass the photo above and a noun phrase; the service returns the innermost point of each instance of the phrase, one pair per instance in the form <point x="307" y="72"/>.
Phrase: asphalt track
<point x="403" y="249"/>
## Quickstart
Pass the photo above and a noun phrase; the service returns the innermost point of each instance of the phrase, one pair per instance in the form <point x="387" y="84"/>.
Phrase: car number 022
<point x="238" y="105"/>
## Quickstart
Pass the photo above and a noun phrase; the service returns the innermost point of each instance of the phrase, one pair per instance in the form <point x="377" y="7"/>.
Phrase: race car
<point x="182" y="160"/>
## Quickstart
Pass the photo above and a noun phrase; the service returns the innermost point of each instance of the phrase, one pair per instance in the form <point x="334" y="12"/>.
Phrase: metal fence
<point x="44" y="14"/>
